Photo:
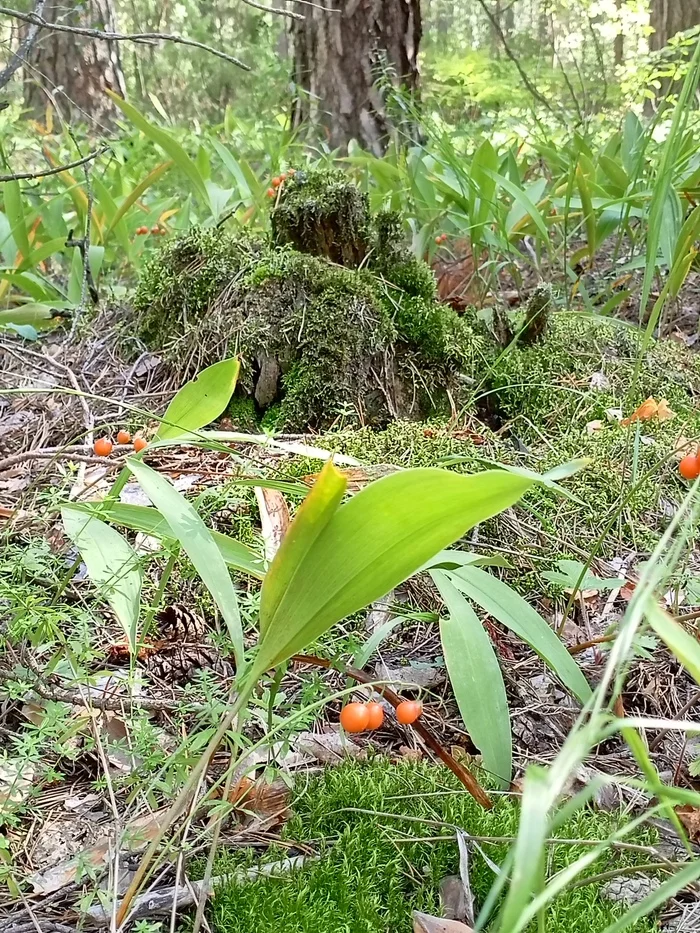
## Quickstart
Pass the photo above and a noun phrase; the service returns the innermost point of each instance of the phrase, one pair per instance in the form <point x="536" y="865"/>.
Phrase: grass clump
<point x="372" y="872"/>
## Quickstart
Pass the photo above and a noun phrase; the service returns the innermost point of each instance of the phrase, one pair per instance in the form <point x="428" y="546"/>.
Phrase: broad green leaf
<point x="236" y="555"/>
<point x="676" y="639"/>
<point x="504" y="604"/>
<point x="197" y="542"/>
<point x="167" y="143"/>
<point x="201" y="400"/>
<point x="336" y="565"/>
<point x="14" y="208"/>
<point x="450" y="559"/>
<point x="30" y="313"/>
<point x="311" y="518"/>
<point x="112" y="564"/>
<point x="476" y="680"/>
<point x="570" y="574"/>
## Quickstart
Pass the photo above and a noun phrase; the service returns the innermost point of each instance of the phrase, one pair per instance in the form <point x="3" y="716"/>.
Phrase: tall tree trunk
<point x="74" y="71"/>
<point x="345" y="54"/>
<point x="619" y="46"/>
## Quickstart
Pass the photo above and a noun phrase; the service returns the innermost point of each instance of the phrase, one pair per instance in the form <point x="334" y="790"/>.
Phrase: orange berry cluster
<point x="103" y="445"/>
<point x="441" y="238"/>
<point x="361" y="717"/>
<point x="279" y="180"/>
<point x="156" y="230"/>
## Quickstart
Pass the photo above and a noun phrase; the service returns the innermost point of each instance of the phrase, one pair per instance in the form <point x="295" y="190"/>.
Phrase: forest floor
<point x="98" y="744"/>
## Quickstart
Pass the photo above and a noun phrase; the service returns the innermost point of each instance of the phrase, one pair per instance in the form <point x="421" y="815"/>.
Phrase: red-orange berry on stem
<point x="123" y="437"/>
<point x="408" y="711"/>
<point x="271" y="192"/>
<point x="689" y="467"/>
<point x="140" y="443"/>
<point x="376" y="715"/>
<point x="276" y="181"/>
<point x="354" y="717"/>
<point x="103" y="447"/>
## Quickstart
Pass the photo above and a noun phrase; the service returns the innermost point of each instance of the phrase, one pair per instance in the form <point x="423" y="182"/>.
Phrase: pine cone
<point x="176" y="623"/>
<point x="177" y="663"/>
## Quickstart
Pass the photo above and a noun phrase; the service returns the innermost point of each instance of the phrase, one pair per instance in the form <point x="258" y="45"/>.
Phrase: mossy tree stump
<point x="331" y="317"/>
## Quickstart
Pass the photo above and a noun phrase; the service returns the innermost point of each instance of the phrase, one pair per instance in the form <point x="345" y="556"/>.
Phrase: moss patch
<point x="371" y="875"/>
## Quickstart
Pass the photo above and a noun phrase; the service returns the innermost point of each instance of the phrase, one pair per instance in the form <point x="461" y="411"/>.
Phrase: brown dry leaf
<point x="262" y="798"/>
<point x="648" y="409"/>
<point x="274" y="518"/>
<point x="425" y="923"/>
<point x="690" y="818"/>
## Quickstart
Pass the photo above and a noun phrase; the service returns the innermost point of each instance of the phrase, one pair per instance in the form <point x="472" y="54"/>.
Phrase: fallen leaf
<point x="274" y="518"/>
<point x="328" y="747"/>
<point x="415" y="673"/>
<point x="136" y="836"/>
<point x="599" y="381"/>
<point x="690" y="818"/>
<point x="425" y="923"/>
<point x="648" y="409"/>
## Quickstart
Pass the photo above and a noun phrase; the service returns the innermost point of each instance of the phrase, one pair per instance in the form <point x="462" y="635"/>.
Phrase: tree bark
<point x="74" y="71"/>
<point x="669" y="17"/>
<point x="346" y="54"/>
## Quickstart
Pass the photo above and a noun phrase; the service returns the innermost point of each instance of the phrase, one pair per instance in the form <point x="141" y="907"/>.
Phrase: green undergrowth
<point x="372" y="872"/>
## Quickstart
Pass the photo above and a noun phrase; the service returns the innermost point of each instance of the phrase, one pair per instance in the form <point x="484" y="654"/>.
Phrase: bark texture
<point x="74" y="71"/>
<point x="669" y="17"/>
<point x="345" y="54"/>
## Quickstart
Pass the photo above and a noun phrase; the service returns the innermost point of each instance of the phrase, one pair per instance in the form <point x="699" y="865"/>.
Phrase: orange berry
<point x="376" y="715"/>
<point x="354" y="717"/>
<point x="155" y="230"/>
<point x="689" y="467"/>
<point x="276" y="181"/>
<point x="123" y="437"/>
<point x="408" y="711"/>
<point x="103" y="447"/>
<point x="141" y="230"/>
<point x="438" y="240"/>
<point x="444" y="238"/>
<point x="271" y="192"/>
<point x="140" y="443"/>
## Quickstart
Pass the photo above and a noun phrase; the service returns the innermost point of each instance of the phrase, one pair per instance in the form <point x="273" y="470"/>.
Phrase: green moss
<point x="243" y="413"/>
<point x="370" y="875"/>
<point x="180" y="283"/>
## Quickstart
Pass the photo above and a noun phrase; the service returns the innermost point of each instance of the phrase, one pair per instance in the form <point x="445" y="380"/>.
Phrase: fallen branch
<point x="458" y="769"/>
<point x="27" y="176"/>
<point x="108" y="36"/>
<point x="179" y="896"/>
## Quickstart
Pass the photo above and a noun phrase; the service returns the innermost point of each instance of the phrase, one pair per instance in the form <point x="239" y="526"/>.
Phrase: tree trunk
<point x="346" y="53"/>
<point x="669" y="17"/>
<point x="71" y="71"/>
<point x="619" y="47"/>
